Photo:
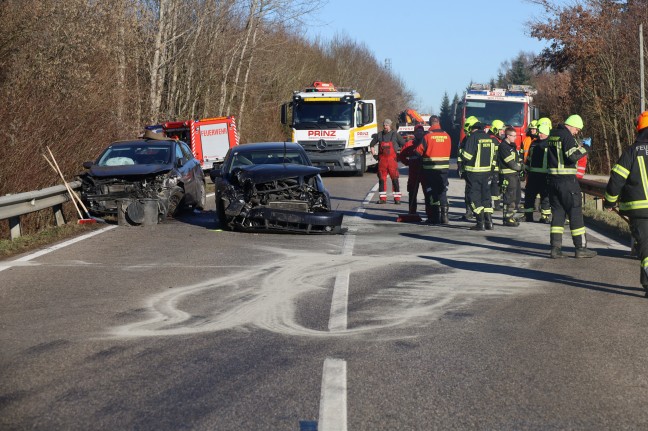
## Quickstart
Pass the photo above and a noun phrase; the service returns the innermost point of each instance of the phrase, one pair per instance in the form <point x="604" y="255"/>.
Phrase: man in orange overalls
<point x="389" y="143"/>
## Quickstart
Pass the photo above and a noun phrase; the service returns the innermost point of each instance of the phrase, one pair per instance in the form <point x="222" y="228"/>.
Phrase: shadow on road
<point x="533" y="274"/>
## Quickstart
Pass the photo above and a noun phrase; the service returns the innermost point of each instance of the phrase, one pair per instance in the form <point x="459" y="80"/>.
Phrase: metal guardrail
<point x="14" y="206"/>
<point x="593" y="188"/>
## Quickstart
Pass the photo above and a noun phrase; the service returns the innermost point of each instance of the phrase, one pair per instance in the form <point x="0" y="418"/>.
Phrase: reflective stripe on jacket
<point x="563" y="152"/>
<point x="435" y="150"/>
<point x="478" y="152"/>
<point x="628" y="184"/>
<point x="537" y="158"/>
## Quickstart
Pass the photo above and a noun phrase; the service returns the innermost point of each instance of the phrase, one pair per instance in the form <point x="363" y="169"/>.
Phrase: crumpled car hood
<point x="265" y="173"/>
<point x="127" y="170"/>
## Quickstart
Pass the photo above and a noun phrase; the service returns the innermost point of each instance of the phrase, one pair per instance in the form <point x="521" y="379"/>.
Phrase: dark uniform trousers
<point x="479" y="184"/>
<point x="536" y="185"/>
<point x="435" y="186"/>
<point x="511" y="191"/>
<point x="639" y="230"/>
<point x="566" y="200"/>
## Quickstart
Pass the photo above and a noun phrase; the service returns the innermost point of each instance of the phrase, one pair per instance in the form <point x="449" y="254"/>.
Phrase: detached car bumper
<point x="293" y="221"/>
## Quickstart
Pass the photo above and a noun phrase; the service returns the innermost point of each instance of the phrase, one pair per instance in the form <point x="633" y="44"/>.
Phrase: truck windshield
<point x="511" y="113"/>
<point x="322" y="115"/>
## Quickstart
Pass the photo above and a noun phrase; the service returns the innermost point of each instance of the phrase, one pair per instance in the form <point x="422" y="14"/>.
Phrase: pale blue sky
<point x="434" y="46"/>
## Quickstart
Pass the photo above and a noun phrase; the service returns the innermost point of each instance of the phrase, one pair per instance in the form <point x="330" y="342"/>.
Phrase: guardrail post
<point x="58" y="215"/>
<point x="14" y="227"/>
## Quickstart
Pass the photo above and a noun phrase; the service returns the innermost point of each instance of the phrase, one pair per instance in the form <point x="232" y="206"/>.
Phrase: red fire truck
<point x="513" y="106"/>
<point x="209" y="138"/>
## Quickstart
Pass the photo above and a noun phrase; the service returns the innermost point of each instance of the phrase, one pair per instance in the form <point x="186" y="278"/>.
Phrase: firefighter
<point x="468" y="216"/>
<point x="412" y="159"/>
<point x="536" y="171"/>
<point x="532" y="134"/>
<point x="627" y="188"/>
<point x="477" y="156"/>
<point x="496" y="131"/>
<point x="389" y="143"/>
<point x="435" y="151"/>
<point x="565" y="196"/>
<point x="509" y="176"/>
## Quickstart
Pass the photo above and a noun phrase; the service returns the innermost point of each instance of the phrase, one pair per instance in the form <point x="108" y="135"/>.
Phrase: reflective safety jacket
<point x="498" y="142"/>
<point x="508" y="158"/>
<point x="537" y="158"/>
<point x="526" y="144"/>
<point x="478" y="152"/>
<point x="628" y="184"/>
<point x="563" y="153"/>
<point x="435" y="150"/>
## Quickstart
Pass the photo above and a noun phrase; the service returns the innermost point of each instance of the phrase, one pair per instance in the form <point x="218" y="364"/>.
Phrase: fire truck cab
<point x="513" y="106"/>
<point x="334" y="125"/>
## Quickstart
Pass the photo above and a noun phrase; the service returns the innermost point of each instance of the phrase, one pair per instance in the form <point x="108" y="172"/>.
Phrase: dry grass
<point x="45" y="237"/>
<point x="609" y="223"/>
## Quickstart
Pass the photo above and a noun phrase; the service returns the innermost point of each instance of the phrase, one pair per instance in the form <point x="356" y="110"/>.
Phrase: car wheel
<point x="361" y="163"/>
<point x="175" y="201"/>
<point x="202" y="197"/>
<point x="221" y="218"/>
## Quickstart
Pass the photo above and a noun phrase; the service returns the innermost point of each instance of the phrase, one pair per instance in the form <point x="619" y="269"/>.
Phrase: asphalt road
<point x="391" y="326"/>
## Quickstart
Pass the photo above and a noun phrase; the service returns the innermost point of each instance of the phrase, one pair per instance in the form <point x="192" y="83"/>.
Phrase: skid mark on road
<point x="266" y="296"/>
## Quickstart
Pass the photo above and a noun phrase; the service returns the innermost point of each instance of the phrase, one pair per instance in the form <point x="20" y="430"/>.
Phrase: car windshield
<point x="511" y="113"/>
<point x="266" y="157"/>
<point x="120" y="155"/>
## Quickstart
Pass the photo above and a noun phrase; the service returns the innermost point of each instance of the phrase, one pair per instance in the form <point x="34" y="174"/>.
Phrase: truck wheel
<point x="361" y="163"/>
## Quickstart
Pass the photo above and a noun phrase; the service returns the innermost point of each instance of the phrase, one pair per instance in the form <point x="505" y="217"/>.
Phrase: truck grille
<point x="323" y="145"/>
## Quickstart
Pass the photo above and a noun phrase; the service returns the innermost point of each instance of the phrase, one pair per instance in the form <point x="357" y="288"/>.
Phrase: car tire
<point x="175" y="201"/>
<point x="201" y="202"/>
<point x="221" y="218"/>
<point x="363" y="164"/>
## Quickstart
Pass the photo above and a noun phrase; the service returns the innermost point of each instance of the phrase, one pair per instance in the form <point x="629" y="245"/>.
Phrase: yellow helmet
<point x="533" y="124"/>
<point x="574" y="121"/>
<point x="470" y="121"/>
<point x="544" y="120"/>
<point x="496" y="126"/>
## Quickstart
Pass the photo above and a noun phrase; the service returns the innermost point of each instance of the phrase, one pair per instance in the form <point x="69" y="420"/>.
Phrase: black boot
<point x="444" y="214"/>
<point x="488" y="221"/>
<point x="582" y="252"/>
<point x="556" y="253"/>
<point x="480" y="222"/>
<point x="528" y="217"/>
<point x="435" y="215"/>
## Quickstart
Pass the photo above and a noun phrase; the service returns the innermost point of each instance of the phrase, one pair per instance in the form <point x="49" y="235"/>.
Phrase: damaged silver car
<point x="131" y="177"/>
<point x="273" y="187"/>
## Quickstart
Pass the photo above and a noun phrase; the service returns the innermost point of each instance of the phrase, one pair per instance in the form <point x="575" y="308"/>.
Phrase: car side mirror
<point x="324" y="169"/>
<point x="88" y="165"/>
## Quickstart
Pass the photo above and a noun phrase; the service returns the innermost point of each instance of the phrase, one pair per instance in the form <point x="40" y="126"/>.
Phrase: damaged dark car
<point x="131" y="177"/>
<point x="273" y="187"/>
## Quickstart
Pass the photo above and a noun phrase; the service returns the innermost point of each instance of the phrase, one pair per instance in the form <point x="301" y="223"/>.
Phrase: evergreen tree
<point x="445" y="114"/>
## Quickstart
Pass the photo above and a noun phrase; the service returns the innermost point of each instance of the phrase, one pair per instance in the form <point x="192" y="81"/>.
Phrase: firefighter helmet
<point x="544" y="129"/>
<point x="470" y="121"/>
<point x="533" y="124"/>
<point x="544" y="120"/>
<point x="642" y="121"/>
<point x="574" y="121"/>
<point x="496" y="126"/>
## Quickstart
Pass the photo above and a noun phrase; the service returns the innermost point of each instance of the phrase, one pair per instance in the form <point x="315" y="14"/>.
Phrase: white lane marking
<point x="340" y="301"/>
<point x="7" y="265"/>
<point x="333" y="397"/>
<point x="613" y="244"/>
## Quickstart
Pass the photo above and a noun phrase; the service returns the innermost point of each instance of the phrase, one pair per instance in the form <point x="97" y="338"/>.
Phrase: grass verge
<point x="606" y="222"/>
<point x="45" y="237"/>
